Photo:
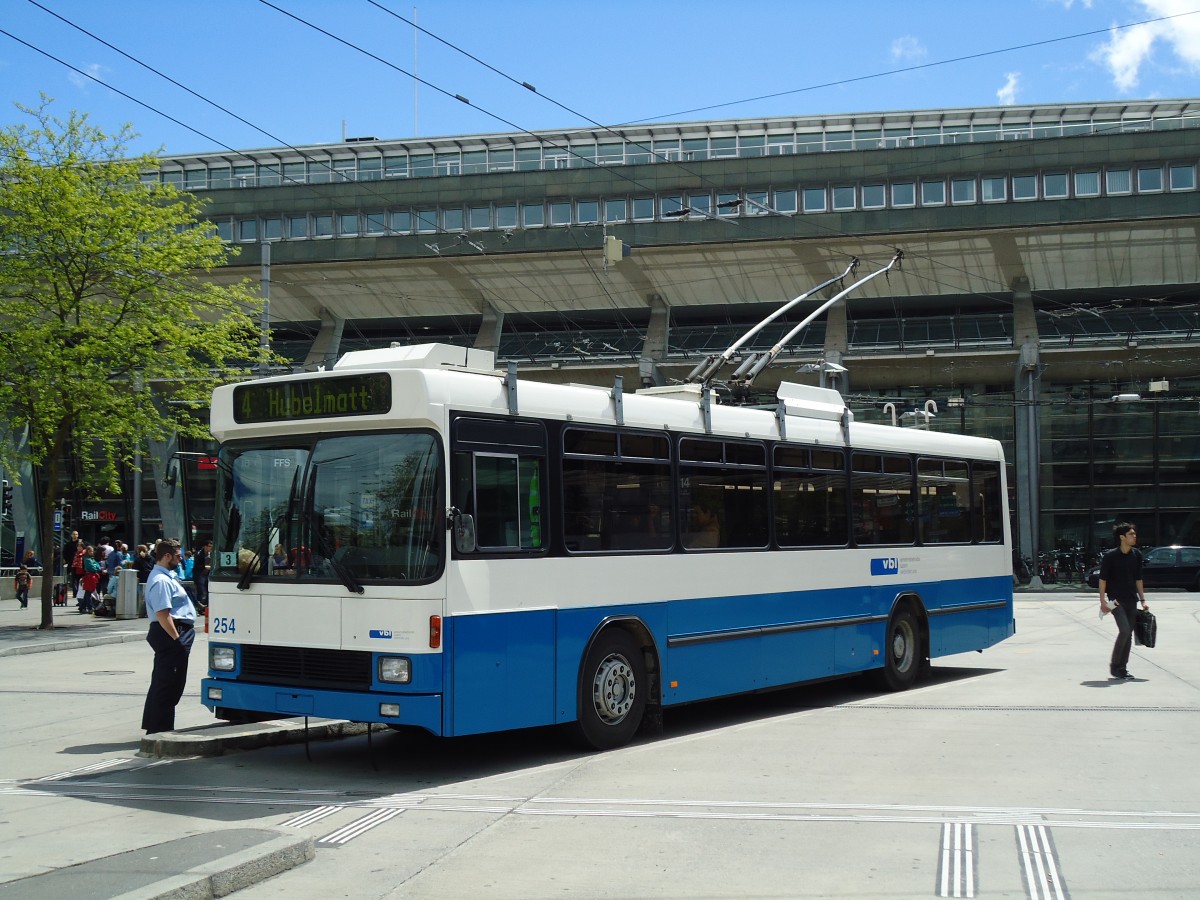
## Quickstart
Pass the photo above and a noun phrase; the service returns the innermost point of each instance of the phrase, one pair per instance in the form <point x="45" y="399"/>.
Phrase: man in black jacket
<point x="201" y="569"/>
<point x="1121" y="580"/>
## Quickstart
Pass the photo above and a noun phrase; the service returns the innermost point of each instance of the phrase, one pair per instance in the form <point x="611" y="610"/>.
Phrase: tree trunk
<point x="51" y="552"/>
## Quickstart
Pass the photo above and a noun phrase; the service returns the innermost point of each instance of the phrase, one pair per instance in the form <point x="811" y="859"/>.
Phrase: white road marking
<point x="957" y="860"/>
<point x="313" y="815"/>
<point x="1038" y="863"/>
<point x="73" y="773"/>
<point x="359" y="826"/>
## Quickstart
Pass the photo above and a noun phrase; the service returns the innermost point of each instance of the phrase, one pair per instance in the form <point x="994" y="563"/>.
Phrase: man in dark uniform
<point x="171" y="634"/>
<point x="1121" y="580"/>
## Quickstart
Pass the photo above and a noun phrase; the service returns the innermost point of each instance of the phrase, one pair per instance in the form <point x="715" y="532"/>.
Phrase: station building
<point x="1048" y="293"/>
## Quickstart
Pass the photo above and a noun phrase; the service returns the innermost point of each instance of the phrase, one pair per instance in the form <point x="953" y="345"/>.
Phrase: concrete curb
<point x="213" y="740"/>
<point x="223" y="877"/>
<point x="46" y="645"/>
<point x="214" y="864"/>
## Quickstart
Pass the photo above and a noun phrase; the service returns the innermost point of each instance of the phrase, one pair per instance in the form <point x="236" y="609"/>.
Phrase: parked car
<point x="1165" y="567"/>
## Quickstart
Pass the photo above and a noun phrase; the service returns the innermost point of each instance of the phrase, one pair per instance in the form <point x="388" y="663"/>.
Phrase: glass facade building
<point x="1050" y="265"/>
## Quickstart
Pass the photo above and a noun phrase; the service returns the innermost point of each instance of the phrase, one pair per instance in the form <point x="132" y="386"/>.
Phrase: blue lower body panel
<point x="500" y="671"/>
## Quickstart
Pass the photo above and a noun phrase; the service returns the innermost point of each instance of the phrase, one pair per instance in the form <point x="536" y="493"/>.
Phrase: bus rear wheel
<point x="903" y="651"/>
<point x="612" y="691"/>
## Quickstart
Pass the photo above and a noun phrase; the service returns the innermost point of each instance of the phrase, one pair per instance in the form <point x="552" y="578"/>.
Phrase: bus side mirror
<point x="463" y="526"/>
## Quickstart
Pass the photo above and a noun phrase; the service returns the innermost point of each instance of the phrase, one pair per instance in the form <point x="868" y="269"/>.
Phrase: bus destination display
<point x="313" y="398"/>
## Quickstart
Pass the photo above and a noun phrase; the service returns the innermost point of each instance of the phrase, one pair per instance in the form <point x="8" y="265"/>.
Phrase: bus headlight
<point x="222" y="659"/>
<point x="395" y="669"/>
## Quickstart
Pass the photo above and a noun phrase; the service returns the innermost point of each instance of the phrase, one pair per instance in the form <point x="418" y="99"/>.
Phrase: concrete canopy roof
<point x="984" y="262"/>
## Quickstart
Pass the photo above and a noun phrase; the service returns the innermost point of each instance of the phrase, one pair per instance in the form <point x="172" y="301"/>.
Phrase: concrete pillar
<point x="1027" y="384"/>
<point x="327" y="345"/>
<point x="490" y="329"/>
<point x="837" y="344"/>
<point x="655" y="348"/>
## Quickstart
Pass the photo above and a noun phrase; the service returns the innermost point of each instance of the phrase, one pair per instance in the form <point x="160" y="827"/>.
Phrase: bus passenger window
<point x="616" y="491"/>
<point x="944" y="493"/>
<point x="726" y="482"/>
<point x="810" y="498"/>
<point x="881" y="499"/>
<point x="988" y="510"/>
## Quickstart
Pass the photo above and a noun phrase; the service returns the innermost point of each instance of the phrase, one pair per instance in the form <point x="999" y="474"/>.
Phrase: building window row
<point x="635" y="151"/>
<point x="696" y="205"/>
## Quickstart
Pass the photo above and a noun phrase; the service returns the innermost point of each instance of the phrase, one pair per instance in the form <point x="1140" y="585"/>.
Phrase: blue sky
<point x="611" y="62"/>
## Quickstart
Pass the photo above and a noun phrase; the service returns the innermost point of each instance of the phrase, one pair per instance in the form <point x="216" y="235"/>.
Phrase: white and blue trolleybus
<point x="415" y="538"/>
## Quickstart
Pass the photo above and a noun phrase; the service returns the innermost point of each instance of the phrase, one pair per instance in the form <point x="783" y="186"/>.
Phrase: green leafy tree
<point x="105" y="311"/>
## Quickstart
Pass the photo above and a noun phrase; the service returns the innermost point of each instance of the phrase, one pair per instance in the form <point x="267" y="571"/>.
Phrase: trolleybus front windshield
<point x="356" y="508"/>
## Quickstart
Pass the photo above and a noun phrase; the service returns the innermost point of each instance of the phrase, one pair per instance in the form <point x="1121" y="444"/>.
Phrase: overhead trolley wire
<point x="526" y="85"/>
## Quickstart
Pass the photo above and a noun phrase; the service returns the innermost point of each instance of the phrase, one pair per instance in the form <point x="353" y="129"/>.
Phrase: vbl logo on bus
<point x="886" y="565"/>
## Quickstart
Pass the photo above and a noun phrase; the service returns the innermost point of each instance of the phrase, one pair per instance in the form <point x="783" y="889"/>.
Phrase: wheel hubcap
<point x="902" y="645"/>
<point x="614" y="689"/>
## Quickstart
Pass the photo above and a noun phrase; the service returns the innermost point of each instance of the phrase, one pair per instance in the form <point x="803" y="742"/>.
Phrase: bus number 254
<point x="222" y="625"/>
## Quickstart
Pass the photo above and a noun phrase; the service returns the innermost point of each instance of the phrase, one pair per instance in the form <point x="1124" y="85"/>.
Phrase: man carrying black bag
<point x="171" y="634"/>
<point x="1121" y="580"/>
<point x="1145" y="631"/>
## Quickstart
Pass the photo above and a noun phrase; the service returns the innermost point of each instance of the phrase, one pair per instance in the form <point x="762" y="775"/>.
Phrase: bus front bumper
<point x="420" y="710"/>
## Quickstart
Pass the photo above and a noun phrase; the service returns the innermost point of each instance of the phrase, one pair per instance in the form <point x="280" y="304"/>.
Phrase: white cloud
<point x="80" y="81"/>
<point x="1007" y="95"/>
<point x="908" y="49"/>
<point x="1067" y="4"/>
<point x="1129" y="51"/>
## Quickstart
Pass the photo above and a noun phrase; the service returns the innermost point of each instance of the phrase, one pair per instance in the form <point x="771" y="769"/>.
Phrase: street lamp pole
<point x="137" y="472"/>
<point x="264" y="368"/>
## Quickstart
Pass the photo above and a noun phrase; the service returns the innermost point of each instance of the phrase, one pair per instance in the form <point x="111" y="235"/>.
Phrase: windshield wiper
<point x="344" y="573"/>
<point x="324" y="547"/>
<point x="254" y="566"/>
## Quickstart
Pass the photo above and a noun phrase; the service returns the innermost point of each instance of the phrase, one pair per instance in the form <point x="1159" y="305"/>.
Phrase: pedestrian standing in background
<point x="21" y="584"/>
<point x="103" y="549"/>
<point x="1120" y="590"/>
<point x="70" y="545"/>
<point x="89" y="582"/>
<point x="143" y="563"/>
<point x="172" y="632"/>
<point x="201" y="567"/>
<point x="77" y="567"/>
<point x="115" y="562"/>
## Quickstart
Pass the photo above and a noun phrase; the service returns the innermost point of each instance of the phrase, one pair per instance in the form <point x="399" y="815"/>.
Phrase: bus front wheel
<point x="903" y="652"/>
<point x="612" y="691"/>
